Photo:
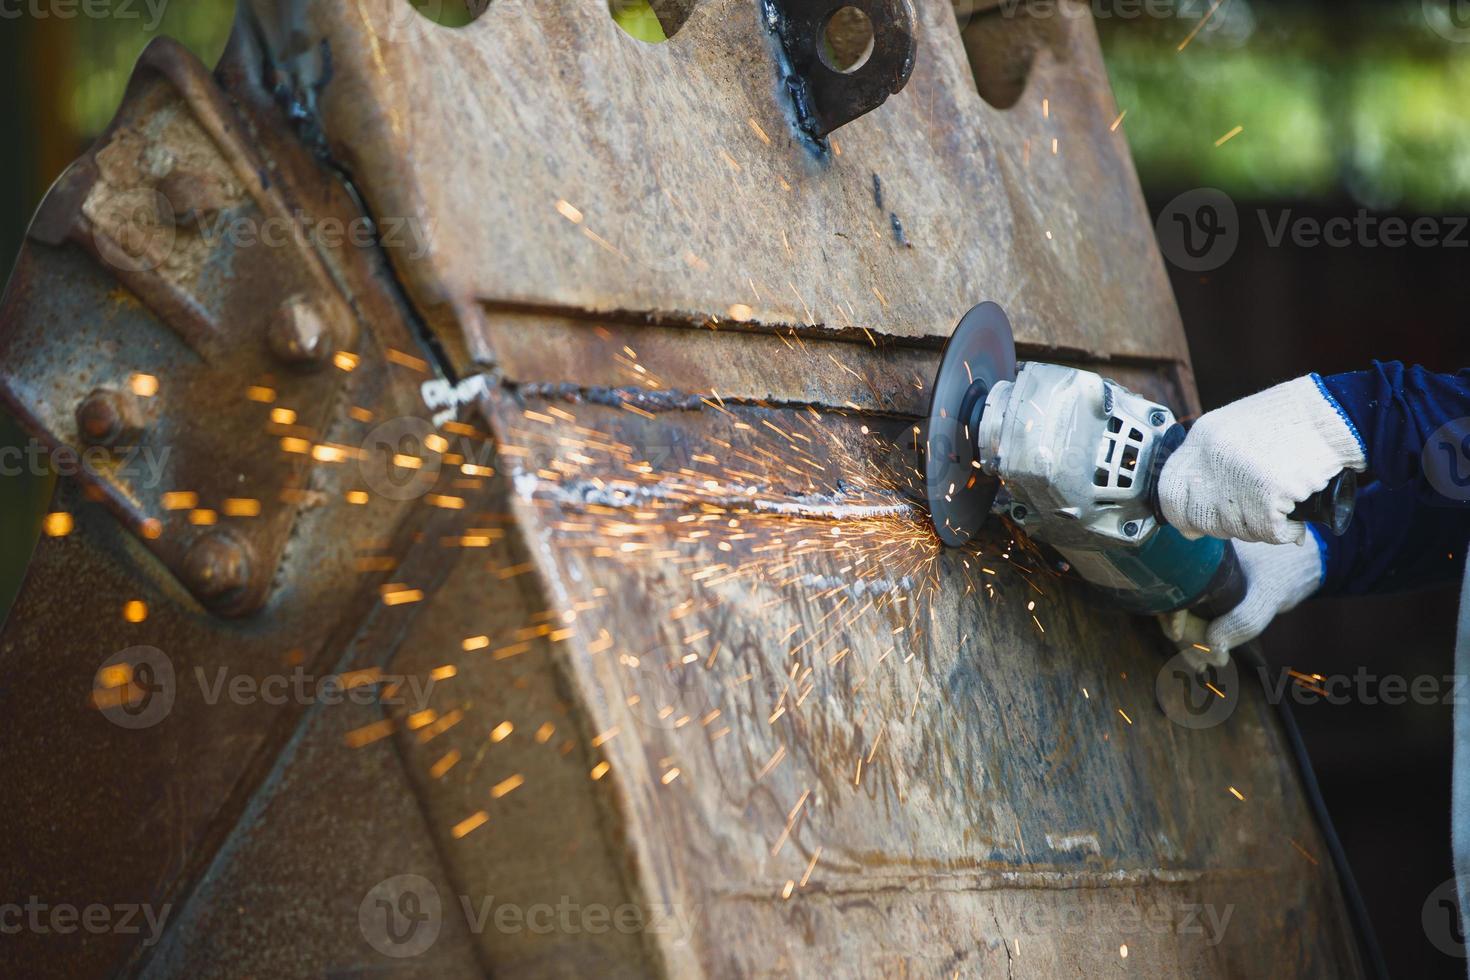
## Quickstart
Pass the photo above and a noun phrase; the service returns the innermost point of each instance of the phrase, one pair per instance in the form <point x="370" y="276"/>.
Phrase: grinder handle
<point x="1226" y="590"/>
<point x="1332" y="506"/>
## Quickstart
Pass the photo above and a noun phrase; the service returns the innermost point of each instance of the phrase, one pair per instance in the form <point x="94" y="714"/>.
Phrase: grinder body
<point x="1079" y="457"/>
<point x="1074" y="459"/>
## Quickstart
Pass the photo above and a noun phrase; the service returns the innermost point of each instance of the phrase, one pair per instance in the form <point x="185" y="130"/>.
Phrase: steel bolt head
<point x="1156" y="417"/>
<point x="108" y="417"/>
<point x="299" y="334"/>
<point x="192" y="197"/>
<point x="217" y="567"/>
<point x="1131" y="528"/>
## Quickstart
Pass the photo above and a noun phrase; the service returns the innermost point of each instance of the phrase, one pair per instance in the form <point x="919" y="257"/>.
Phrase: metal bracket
<point x="176" y="323"/>
<point x="825" y="96"/>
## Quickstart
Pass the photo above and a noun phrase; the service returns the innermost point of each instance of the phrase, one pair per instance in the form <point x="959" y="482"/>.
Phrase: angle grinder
<point x="1073" y="459"/>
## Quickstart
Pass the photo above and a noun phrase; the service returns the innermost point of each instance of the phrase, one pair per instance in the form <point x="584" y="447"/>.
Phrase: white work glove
<point x="1245" y="466"/>
<point x="1277" y="578"/>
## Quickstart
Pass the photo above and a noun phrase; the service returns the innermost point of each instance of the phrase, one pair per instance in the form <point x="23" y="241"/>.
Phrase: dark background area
<point x="1344" y="107"/>
<point x="1347" y="109"/>
<point x="1271" y="314"/>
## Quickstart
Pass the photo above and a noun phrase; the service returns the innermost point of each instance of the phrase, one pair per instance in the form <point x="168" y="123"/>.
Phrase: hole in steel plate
<point x="448" y="13"/>
<point x="1002" y="42"/>
<point x="847" y="40"/>
<point x="652" y="21"/>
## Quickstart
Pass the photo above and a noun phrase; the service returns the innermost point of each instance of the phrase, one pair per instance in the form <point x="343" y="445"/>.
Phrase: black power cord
<point x="1372" y="955"/>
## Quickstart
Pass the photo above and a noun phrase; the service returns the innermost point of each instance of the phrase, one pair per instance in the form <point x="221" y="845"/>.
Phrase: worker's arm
<point x="1409" y="529"/>
<point x="1411" y="525"/>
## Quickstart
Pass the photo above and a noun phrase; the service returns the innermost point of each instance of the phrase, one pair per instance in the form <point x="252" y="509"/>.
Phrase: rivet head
<point x="299" y="334"/>
<point x="108" y="417"/>
<point x="217" y="568"/>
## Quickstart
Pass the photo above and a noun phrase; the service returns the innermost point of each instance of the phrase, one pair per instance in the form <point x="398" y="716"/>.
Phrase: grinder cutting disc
<point x="980" y="352"/>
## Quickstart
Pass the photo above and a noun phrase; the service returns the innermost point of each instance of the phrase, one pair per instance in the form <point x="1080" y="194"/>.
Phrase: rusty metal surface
<point x="185" y="261"/>
<point x="332" y="828"/>
<point x="509" y="714"/>
<point x="669" y="182"/>
<point x="890" y="769"/>
<point x="695" y="657"/>
<point x="122" y="786"/>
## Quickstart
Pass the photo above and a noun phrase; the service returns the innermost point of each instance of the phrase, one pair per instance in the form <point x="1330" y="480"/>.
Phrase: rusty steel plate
<point x="556" y="162"/>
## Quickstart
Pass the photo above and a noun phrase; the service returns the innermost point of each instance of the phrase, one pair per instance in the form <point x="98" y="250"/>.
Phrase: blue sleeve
<point x="1413" y="519"/>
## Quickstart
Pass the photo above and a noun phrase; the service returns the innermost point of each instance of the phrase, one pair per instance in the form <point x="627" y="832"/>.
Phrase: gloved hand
<point x="1243" y="467"/>
<point x="1277" y="578"/>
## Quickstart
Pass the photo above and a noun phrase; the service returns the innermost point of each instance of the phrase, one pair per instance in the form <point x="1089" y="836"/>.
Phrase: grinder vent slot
<point x="1117" y="462"/>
